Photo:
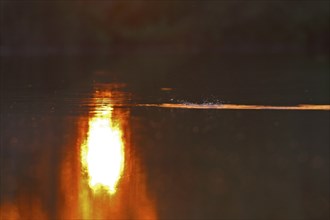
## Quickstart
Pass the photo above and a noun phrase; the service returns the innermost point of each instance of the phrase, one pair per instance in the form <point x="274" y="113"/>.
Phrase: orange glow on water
<point x="103" y="153"/>
<point x="302" y="107"/>
<point x="25" y="207"/>
<point x="101" y="176"/>
<point x="97" y="172"/>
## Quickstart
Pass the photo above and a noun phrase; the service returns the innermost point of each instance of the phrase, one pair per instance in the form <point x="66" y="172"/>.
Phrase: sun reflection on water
<point x="103" y="152"/>
<point x="97" y="172"/>
<point x="102" y="177"/>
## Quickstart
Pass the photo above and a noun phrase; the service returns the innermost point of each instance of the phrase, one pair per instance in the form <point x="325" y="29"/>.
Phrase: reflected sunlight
<point x="103" y="153"/>
<point x="101" y="175"/>
<point x="302" y="107"/>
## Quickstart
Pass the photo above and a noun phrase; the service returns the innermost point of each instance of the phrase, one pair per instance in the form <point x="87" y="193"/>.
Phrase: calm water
<point x="103" y="152"/>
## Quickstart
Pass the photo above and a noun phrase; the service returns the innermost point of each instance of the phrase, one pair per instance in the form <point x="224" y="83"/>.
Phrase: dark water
<point x="179" y="163"/>
<point x="223" y="113"/>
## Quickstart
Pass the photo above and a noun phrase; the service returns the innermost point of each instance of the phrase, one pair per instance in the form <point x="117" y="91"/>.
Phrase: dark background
<point x="199" y="164"/>
<point x="246" y="51"/>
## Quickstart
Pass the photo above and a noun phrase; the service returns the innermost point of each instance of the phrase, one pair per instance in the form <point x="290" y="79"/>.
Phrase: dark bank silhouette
<point x="209" y="44"/>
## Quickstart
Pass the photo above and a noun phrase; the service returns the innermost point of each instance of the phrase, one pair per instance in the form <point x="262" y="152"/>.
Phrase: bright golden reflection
<point x="302" y="107"/>
<point x="96" y="174"/>
<point x="103" y="153"/>
<point x="101" y="175"/>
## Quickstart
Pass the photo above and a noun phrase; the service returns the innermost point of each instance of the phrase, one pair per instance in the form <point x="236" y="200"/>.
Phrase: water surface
<point x="106" y="151"/>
